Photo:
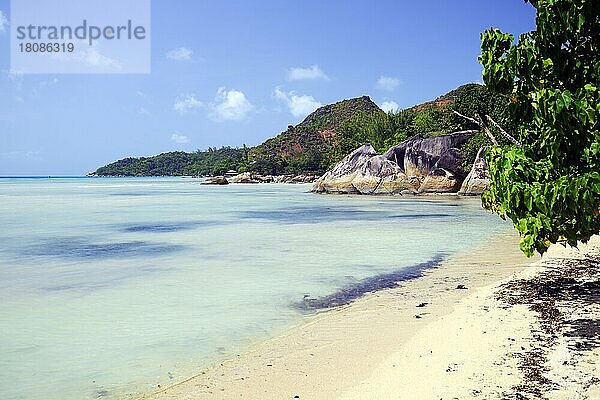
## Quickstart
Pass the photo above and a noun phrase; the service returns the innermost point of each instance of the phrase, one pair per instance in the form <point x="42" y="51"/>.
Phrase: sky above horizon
<point x="239" y="72"/>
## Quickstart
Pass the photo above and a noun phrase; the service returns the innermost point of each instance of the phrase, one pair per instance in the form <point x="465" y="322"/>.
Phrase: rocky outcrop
<point x="216" y="180"/>
<point x="382" y="176"/>
<point x="418" y="156"/>
<point x="339" y="179"/>
<point x="249" y="177"/>
<point x="478" y="180"/>
<point x="440" y="180"/>
<point x="432" y="164"/>
<point x="245" y="177"/>
<point x="365" y="172"/>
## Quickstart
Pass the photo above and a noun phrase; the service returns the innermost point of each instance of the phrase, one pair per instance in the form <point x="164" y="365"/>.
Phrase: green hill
<point x="306" y="146"/>
<point x="325" y="136"/>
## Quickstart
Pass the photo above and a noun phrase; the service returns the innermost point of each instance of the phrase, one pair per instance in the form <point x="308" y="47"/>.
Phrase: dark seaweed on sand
<point x="567" y="284"/>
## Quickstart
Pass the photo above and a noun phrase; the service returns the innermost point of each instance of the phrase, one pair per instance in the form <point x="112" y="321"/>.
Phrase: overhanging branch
<point x="482" y="125"/>
<point x="506" y="135"/>
<point x="473" y="120"/>
<point x="467" y="131"/>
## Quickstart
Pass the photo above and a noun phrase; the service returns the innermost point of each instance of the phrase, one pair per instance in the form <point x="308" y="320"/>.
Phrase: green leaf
<point x="550" y="187"/>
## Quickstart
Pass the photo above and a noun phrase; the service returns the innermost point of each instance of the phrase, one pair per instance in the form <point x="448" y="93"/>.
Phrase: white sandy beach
<point x="423" y="340"/>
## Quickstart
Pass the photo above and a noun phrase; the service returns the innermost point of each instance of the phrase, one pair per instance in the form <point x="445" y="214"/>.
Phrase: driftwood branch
<point x="506" y="135"/>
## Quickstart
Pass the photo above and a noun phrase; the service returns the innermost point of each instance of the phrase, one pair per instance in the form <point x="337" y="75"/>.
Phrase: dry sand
<point x="472" y="328"/>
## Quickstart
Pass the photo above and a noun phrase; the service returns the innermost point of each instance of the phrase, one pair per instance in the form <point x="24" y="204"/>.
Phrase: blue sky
<point x="235" y="72"/>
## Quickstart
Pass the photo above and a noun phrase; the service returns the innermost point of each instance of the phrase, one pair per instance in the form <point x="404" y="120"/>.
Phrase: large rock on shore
<point x="478" y="180"/>
<point x="216" y="180"/>
<point x="244" y="177"/>
<point x="440" y="180"/>
<point x="418" y="156"/>
<point x="432" y="164"/>
<point x="339" y="179"/>
<point x="382" y="176"/>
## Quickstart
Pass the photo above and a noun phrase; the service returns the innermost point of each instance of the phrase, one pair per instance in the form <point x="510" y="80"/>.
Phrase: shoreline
<point x="334" y="352"/>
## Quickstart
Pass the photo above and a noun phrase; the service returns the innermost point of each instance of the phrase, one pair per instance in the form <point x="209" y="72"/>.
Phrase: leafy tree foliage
<point x="434" y="121"/>
<point x="550" y="186"/>
<point x="380" y="130"/>
<point x="473" y="99"/>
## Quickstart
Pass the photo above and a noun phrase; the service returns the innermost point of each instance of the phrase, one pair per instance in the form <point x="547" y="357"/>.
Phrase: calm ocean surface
<point x="109" y="287"/>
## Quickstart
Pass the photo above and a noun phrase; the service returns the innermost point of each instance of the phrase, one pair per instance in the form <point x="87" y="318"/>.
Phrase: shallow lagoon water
<point x="110" y="287"/>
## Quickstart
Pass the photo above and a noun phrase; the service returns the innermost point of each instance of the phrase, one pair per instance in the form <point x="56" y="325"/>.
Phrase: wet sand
<point x="471" y="328"/>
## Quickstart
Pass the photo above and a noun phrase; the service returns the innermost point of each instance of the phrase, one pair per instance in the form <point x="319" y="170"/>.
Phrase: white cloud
<point x="312" y="72"/>
<point x="187" y="104"/>
<point x="389" y="106"/>
<point x="178" y="138"/>
<point x="3" y="21"/>
<point x="180" y="54"/>
<point x="299" y="105"/>
<point x="388" y="83"/>
<point x="229" y="105"/>
<point x="143" y="111"/>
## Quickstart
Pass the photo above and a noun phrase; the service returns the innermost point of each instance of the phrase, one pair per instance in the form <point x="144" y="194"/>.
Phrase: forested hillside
<point x="326" y="136"/>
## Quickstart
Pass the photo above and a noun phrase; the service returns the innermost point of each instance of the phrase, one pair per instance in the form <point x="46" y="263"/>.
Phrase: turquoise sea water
<point x="109" y="287"/>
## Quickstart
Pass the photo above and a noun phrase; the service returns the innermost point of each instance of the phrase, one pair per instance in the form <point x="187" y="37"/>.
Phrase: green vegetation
<point x="550" y="186"/>
<point x="326" y="136"/>
<point x="383" y="131"/>
<point x="212" y="161"/>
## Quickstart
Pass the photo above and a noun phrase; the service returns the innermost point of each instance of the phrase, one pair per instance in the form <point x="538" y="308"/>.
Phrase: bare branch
<point x="487" y="130"/>
<point x="467" y="118"/>
<point x="506" y="135"/>
<point x="467" y="131"/>
<point x="479" y="122"/>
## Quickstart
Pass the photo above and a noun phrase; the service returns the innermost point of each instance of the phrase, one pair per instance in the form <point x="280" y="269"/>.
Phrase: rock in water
<point x="339" y="179"/>
<point x="478" y="180"/>
<point x="245" y="177"/>
<point x="216" y="180"/>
